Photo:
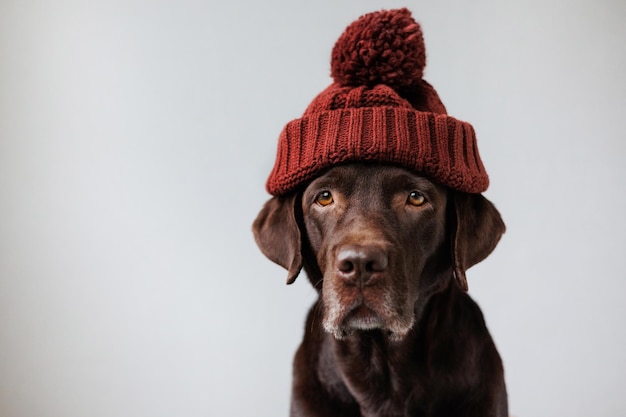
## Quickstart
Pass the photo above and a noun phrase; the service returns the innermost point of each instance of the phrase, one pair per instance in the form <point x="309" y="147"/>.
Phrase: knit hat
<point x="379" y="109"/>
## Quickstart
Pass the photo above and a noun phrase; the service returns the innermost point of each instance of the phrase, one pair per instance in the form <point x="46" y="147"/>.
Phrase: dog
<point x="393" y="332"/>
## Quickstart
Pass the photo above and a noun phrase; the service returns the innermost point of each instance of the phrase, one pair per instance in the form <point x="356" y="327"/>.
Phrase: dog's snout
<point x="361" y="264"/>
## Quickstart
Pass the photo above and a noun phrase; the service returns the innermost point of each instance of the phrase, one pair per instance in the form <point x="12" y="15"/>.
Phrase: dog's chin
<point x="362" y="320"/>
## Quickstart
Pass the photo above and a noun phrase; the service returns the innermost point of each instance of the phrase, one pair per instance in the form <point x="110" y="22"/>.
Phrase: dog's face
<point x="373" y="232"/>
<point x="374" y="240"/>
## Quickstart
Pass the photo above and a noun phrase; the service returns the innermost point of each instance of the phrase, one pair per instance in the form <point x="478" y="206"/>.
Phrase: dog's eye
<point x="416" y="198"/>
<point x="324" y="198"/>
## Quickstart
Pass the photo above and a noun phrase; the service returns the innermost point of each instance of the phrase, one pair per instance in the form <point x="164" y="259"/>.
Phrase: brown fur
<point x="393" y="332"/>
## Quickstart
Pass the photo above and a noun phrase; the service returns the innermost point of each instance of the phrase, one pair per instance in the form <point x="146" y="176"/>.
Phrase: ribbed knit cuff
<point x="436" y="145"/>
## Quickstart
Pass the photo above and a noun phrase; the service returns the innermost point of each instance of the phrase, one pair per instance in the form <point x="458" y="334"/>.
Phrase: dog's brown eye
<point x="324" y="198"/>
<point x="416" y="198"/>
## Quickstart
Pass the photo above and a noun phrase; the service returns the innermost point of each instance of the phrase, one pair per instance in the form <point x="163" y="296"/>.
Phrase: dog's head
<point x="374" y="239"/>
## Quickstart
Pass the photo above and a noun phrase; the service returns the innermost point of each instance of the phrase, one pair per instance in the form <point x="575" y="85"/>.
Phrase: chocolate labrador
<point x="394" y="332"/>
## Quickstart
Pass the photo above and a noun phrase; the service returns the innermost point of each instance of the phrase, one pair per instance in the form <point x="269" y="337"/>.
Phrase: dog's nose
<point x="361" y="264"/>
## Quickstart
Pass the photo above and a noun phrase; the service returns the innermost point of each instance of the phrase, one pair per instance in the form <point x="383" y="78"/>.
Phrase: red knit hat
<point x="379" y="109"/>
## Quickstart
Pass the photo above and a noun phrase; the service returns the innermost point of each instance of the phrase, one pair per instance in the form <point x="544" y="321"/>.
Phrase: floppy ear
<point x="277" y="234"/>
<point x="478" y="230"/>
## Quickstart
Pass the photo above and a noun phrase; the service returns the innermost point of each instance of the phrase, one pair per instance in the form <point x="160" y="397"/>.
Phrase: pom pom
<point x="382" y="47"/>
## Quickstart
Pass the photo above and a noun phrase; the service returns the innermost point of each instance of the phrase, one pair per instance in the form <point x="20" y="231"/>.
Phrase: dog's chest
<point x="379" y="377"/>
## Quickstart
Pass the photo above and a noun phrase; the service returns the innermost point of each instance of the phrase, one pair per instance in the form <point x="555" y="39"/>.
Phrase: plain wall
<point x="135" y="140"/>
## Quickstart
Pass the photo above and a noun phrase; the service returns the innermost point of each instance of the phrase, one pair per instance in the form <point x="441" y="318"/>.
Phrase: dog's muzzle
<point x="358" y="294"/>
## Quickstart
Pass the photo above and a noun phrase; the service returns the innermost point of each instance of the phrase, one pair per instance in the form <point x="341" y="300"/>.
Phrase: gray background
<point x="135" y="140"/>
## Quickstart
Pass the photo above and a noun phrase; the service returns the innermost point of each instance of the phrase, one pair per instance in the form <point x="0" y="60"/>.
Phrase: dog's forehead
<point x="368" y="175"/>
